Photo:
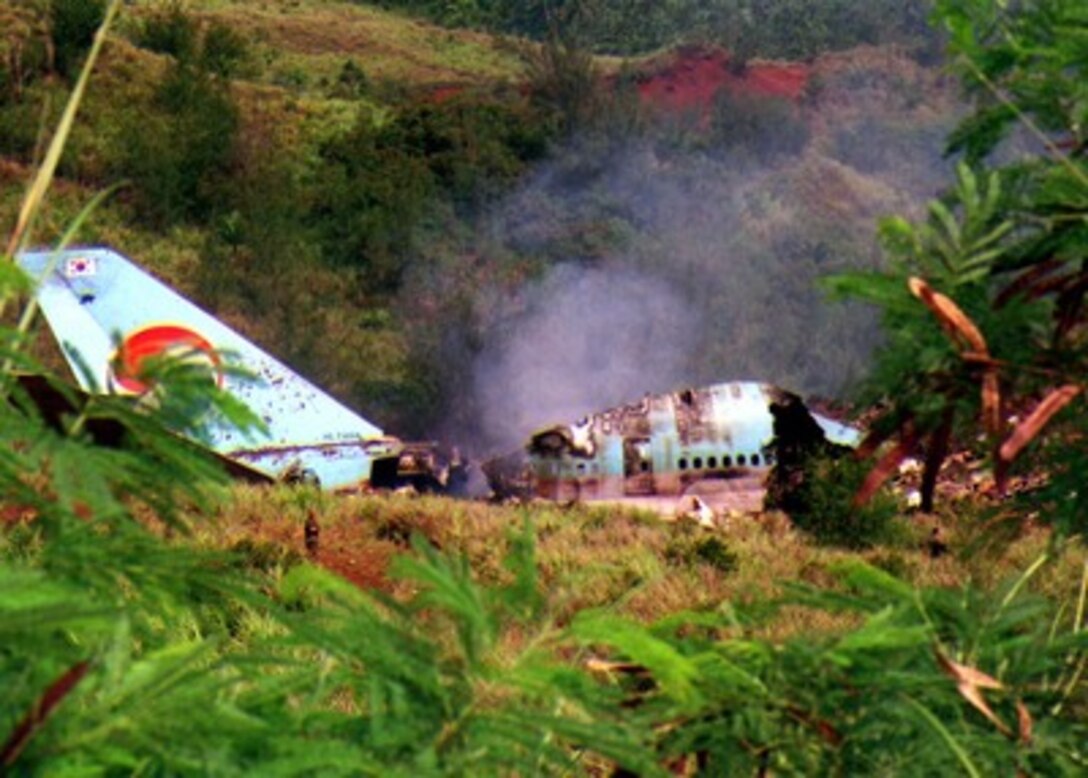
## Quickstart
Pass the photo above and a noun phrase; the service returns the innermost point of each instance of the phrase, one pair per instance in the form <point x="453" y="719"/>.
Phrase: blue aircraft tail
<point x="107" y="315"/>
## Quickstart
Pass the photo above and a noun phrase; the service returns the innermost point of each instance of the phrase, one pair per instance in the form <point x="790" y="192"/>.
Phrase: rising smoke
<point x="709" y="289"/>
<point x="588" y="338"/>
<point x="671" y="264"/>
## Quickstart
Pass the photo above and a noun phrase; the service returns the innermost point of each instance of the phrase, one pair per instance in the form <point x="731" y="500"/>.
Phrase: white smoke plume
<point x="588" y="339"/>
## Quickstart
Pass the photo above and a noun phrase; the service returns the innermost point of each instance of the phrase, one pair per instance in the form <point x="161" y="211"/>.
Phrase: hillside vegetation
<point x="791" y="29"/>
<point x="382" y="202"/>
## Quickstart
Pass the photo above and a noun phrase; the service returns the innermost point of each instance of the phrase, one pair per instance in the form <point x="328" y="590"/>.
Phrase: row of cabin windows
<point x="727" y="461"/>
<point x="554" y="468"/>
<point x="696" y="463"/>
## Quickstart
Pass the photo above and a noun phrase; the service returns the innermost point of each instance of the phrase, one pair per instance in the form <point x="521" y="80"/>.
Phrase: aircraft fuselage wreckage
<point x="716" y="443"/>
<point x="92" y="296"/>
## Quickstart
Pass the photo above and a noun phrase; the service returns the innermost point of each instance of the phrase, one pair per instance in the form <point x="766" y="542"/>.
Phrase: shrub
<point x="19" y="122"/>
<point x="763" y="128"/>
<point x="223" y="51"/>
<point x="170" y="31"/>
<point x="177" y="152"/>
<point x="352" y="81"/>
<point x="24" y="49"/>
<point x="873" y="146"/>
<point x="690" y="548"/>
<point x="823" y="505"/>
<point x="74" y="25"/>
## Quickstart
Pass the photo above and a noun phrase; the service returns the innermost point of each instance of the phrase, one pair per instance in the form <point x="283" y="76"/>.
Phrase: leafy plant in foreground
<point x="999" y="266"/>
<point x="933" y="682"/>
<point x="434" y="690"/>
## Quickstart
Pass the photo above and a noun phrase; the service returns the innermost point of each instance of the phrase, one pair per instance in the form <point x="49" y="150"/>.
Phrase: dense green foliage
<point x="73" y="25"/>
<point x="822" y="506"/>
<point x="870" y="701"/>
<point x="216" y="49"/>
<point x="788" y="29"/>
<point x="381" y="181"/>
<point x="178" y="154"/>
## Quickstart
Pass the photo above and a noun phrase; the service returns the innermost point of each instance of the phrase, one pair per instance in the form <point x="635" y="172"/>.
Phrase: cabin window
<point x="581" y="467"/>
<point x="727" y="461"/>
<point x="644" y="466"/>
<point x="683" y="464"/>
<point x="755" y="459"/>
<point x="697" y="463"/>
<point x="712" y="462"/>
<point x="741" y="460"/>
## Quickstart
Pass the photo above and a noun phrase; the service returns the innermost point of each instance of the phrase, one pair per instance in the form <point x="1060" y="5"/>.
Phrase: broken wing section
<point x="108" y="315"/>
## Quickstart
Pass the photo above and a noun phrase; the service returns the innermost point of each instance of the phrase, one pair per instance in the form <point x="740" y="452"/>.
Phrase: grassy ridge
<point x="310" y="41"/>
<point x="629" y="562"/>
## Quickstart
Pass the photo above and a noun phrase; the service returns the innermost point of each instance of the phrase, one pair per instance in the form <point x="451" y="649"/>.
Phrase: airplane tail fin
<point x="108" y="315"/>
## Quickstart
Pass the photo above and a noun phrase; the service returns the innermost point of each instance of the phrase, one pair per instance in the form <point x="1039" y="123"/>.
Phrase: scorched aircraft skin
<point x="714" y="441"/>
<point x="91" y="297"/>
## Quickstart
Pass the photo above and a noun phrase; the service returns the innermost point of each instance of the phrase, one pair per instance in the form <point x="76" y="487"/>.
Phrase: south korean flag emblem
<point x="80" y="267"/>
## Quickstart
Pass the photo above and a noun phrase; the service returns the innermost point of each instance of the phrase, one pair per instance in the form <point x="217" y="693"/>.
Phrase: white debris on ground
<point x="693" y="508"/>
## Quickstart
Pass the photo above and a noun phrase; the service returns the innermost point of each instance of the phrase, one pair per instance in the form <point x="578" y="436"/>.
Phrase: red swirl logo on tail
<point x="154" y="341"/>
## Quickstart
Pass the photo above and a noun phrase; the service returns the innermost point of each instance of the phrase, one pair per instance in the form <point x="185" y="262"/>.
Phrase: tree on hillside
<point x="177" y="151"/>
<point x="25" y="49"/>
<point x="73" y="26"/>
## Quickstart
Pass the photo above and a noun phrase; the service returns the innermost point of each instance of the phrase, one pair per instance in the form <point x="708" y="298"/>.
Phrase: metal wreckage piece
<point x="716" y="444"/>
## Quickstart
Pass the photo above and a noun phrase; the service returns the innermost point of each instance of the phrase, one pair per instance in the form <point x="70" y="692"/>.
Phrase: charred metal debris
<point x="667" y="443"/>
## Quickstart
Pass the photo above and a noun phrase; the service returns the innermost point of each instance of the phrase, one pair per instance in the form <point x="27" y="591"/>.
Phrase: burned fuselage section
<point x="665" y="444"/>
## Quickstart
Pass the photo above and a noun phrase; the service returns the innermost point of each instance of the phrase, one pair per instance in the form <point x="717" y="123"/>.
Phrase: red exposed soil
<point x="344" y="549"/>
<point x="691" y="78"/>
<point x="363" y="563"/>
<point x="441" y="94"/>
<point x="784" y="79"/>
<point x="687" y="80"/>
